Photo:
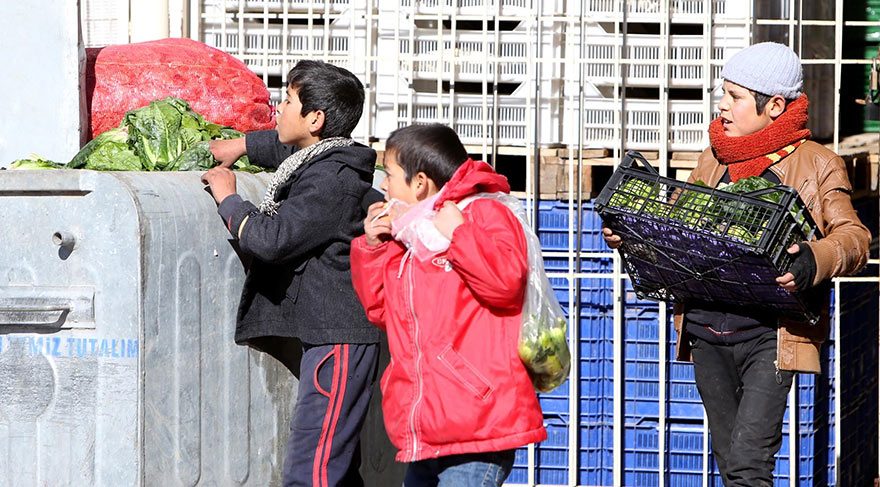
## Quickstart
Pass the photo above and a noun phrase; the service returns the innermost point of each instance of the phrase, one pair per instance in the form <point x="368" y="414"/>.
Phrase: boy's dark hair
<point x="433" y="149"/>
<point x="761" y="101"/>
<point x="333" y="90"/>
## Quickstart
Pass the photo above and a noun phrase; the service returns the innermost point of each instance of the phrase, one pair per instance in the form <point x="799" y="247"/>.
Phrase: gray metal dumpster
<point x="118" y="294"/>
<point x="117" y="366"/>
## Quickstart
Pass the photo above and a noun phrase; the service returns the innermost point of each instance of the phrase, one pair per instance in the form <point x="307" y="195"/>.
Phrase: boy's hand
<point x="803" y="269"/>
<point x="226" y="152"/>
<point x="448" y="219"/>
<point x="222" y="183"/>
<point x="611" y="239"/>
<point x="377" y="230"/>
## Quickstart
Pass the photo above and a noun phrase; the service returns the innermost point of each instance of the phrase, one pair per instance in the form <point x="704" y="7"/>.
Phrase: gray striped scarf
<point x="269" y="206"/>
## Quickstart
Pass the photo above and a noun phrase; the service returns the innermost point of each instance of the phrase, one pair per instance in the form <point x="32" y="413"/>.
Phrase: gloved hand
<point x="803" y="270"/>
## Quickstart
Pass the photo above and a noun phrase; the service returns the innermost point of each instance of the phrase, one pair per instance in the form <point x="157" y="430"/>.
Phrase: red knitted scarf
<point x="751" y="155"/>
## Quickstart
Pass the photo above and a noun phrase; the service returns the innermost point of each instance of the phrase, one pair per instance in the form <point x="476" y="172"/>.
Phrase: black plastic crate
<point x="684" y="242"/>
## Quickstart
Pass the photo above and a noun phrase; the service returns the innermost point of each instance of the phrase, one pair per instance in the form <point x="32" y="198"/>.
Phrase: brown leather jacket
<point x="819" y="176"/>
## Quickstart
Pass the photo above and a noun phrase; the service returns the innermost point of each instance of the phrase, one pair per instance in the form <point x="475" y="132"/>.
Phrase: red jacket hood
<point x="470" y="178"/>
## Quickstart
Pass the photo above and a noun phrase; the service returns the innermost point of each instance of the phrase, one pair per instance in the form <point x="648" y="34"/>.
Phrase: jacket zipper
<point x="412" y="312"/>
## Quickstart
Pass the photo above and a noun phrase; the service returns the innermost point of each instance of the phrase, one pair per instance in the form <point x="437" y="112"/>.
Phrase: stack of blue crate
<point x="684" y="434"/>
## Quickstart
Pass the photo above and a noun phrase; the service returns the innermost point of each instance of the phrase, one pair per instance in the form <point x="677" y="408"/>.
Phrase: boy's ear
<point x="775" y="106"/>
<point x="424" y="185"/>
<point x="316" y="121"/>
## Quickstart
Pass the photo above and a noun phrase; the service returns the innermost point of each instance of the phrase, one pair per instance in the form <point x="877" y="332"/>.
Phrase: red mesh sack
<point x="215" y="84"/>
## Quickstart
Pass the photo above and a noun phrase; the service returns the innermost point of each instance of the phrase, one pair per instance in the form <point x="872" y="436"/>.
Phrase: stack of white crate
<point x="484" y="67"/>
<point x="104" y="22"/>
<point x="518" y="73"/>
<point x="629" y="62"/>
<point x="270" y="36"/>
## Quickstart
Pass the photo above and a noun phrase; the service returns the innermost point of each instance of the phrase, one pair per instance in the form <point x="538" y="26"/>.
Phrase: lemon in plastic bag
<point x="543" y="349"/>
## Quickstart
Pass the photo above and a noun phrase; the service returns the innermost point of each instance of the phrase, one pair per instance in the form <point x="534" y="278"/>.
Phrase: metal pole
<point x="663" y="105"/>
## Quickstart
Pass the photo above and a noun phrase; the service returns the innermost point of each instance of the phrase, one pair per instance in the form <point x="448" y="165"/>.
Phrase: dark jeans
<point x="470" y="470"/>
<point x="333" y="397"/>
<point x="745" y="398"/>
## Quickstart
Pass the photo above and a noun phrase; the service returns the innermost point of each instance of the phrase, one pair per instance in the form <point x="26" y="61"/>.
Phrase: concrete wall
<point x="40" y="96"/>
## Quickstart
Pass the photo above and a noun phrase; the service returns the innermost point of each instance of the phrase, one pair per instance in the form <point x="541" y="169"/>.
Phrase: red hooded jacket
<point x="455" y="383"/>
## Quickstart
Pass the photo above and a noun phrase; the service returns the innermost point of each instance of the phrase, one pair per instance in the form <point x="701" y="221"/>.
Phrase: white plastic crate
<point x="683" y="11"/>
<point x="603" y="57"/>
<point x="268" y="51"/>
<point x="104" y="22"/>
<point x="687" y="124"/>
<point x="277" y="6"/>
<point x="470" y="8"/>
<point x="471" y="56"/>
<point x="473" y="116"/>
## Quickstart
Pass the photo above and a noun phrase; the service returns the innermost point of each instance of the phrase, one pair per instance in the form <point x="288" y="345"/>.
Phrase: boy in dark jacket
<point x="298" y="302"/>
<point x="745" y="359"/>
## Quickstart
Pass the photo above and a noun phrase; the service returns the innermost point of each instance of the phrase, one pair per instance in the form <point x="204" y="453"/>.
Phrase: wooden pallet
<point x="684" y="160"/>
<point x="596" y="168"/>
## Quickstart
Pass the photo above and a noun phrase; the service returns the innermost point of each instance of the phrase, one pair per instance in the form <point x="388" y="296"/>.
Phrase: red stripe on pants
<point x="343" y="380"/>
<point x="317" y="474"/>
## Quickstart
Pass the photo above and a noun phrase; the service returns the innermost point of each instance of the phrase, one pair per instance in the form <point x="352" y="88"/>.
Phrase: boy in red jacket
<point x="456" y="397"/>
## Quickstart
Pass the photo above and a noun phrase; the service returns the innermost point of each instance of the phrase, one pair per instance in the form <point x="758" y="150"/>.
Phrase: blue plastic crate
<point x="597" y="399"/>
<point x="596" y="294"/>
<point x="553" y="227"/>
<point x="551" y="456"/>
<point x="558" y="240"/>
<point x="684" y="458"/>
<point x="554" y="215"/>
<point x="596" y="458"/>
<point x="684" y="401"/>
<point x="587" y="264"/>
<point x="553" y="403"/>
<point x="641" y="458"/>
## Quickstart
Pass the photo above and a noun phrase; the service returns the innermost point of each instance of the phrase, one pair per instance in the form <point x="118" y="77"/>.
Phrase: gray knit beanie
<point x="768" y="68"/>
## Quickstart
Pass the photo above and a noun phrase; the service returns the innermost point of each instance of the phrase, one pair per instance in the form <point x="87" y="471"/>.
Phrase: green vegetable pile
<point x="166" y="135"/>
<point x="740" y="220"/>
<point x="544" y="351"/>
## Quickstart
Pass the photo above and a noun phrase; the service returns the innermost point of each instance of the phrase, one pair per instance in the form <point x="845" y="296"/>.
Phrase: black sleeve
<point x="265" y="150"/>
<point x="234" y="209"/>
<point x="372" y="196"/>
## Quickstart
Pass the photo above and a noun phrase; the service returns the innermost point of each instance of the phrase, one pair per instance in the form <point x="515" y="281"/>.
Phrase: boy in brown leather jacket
<point x="744" y="360"/>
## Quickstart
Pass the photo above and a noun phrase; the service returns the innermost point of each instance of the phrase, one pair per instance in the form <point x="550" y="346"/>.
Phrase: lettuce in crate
<point x="637" y="195"/>
<point x="700" y="210"/>
<point x="746" y="221"/>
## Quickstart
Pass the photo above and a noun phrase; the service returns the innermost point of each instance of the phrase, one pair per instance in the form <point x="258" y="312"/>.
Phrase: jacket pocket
<point x="465" y="372"/>
<point x="295" y="282"/>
